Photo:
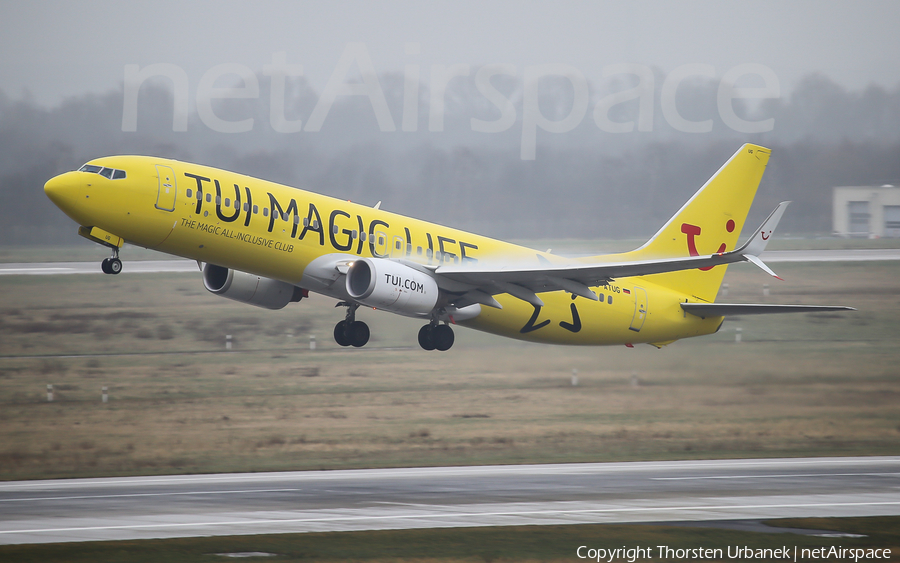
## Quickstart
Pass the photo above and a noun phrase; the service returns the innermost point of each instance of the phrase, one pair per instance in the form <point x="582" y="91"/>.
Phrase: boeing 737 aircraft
<point x="268" y="245"/>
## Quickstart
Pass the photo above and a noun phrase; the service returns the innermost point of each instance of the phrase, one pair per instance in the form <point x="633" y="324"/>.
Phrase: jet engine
<point x="249" y="288"/>
<point x="391" y="286"/>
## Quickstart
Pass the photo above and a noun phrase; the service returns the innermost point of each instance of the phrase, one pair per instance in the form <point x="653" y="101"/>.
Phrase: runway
<point x="160" y="266"/>
<point x="258" y="503"/>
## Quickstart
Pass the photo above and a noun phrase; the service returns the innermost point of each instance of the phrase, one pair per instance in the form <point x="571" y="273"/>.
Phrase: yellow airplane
<point x="268" y="245"/>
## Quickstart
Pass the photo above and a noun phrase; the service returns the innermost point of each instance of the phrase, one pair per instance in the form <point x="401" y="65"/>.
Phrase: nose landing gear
<point x="112" y="265"/>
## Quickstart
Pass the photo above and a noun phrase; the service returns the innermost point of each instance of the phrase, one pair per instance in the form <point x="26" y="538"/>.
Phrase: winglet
<point x="760" y="239"/>
<point x="762" y="265"/>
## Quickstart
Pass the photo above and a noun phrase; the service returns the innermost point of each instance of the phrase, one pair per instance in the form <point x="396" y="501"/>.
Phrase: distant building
<point x="867" y="211"/>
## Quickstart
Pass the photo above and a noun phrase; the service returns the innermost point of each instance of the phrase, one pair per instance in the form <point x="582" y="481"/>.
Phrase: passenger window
<point x="199" y="195"/>
<point x="255" y="209"/>
<point x="246" y="207"/>
<point x="397" y="245"/>
<point x="353" y="234"/>
<point x="296" y="219"/>
<point x="362" y="237"/>
<point x="265" y="211"/>
<point x="218" y="200"/>
<point x="189" y="192"/>
<point x="609" y="300"/>
<point x="381" y="241"/>
<point x="106" y="173"/>
<point x="118" y="174"/>
<point x="227" y="202"/>
<point x="208" y="198"/>
<point x="334" y="229"/>
<point x="315" y="224"/>
<point x="306" y="221"/>
<point x="284" y="217"/>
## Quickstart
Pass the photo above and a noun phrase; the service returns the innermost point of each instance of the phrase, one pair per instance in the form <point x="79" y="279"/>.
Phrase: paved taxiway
<point x="158" y="266"/>
<point x="256" y="503"/>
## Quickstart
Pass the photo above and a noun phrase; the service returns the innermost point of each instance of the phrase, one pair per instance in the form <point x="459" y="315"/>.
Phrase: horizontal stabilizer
<point x="726" y="309"/>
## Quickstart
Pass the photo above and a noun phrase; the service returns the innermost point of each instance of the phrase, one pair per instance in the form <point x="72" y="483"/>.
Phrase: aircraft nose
<point x="60" y="189"/>
<point x="53" y="187"/>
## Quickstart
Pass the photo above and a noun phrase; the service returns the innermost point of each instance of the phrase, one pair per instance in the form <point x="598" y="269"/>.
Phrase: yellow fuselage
<point x="275" y="231"/>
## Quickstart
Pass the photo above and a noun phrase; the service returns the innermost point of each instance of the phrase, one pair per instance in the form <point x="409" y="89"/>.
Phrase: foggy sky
<point x="54" y="50"/>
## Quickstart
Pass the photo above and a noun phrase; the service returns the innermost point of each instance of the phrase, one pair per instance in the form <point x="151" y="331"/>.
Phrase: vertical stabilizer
<point x="710" y="222"/>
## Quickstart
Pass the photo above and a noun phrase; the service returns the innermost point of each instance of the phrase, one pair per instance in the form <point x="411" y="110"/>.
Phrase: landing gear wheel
<point x="426" y="337"/>
<point x="359" y="334"/>
<point x="340" y="334"/>
<point x="351" y="332"/>
<point x="111" y="265"/>
<point x="443" y="338"/>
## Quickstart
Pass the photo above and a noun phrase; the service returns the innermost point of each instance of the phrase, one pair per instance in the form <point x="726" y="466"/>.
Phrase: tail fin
<point x="710" y="222"/>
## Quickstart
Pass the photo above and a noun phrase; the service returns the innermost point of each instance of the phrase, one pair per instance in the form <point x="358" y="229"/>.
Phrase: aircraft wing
<point x="479" y="284"/>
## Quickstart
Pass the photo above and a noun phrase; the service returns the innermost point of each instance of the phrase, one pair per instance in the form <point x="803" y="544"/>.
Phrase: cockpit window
<point x="110" y="173"/>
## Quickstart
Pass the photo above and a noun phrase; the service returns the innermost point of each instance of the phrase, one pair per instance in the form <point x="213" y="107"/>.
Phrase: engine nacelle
<point x="394" y="287"/>
<point x="249" y="288"/>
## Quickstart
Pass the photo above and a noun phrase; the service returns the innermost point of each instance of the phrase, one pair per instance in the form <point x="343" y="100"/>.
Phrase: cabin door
<point x="165" y="199"/>
<point x="640" y="308"/>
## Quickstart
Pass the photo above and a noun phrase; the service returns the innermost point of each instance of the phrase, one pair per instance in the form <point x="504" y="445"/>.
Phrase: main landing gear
<point x="112" y="265"/>
<point x="435" y="336"/>
<point x="351" y="332"/>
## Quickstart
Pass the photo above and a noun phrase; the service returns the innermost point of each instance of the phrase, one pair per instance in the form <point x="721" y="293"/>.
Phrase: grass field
<point x="811" y="384"/>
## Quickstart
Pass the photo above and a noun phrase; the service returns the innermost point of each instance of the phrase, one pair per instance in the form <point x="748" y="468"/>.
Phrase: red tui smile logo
<point x="693" y="231"/>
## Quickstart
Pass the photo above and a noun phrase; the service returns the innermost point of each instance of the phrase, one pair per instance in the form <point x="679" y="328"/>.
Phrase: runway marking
<point x="270" y="522"/>
<point x="149" y="495"/>
<point x="416" y="504"/>
<point x="776" y="476"/>
<point x="16" y="271"/>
